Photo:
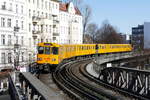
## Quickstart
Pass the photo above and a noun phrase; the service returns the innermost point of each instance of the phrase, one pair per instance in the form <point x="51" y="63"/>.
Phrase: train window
<point x="40" y="50"/>
<point x="55" y="50"/>
<point x="96" y="47"/>
<point x="47" y="50"/>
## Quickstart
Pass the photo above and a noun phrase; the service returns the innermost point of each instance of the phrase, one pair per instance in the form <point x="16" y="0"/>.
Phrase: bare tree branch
<point x="86" y="12"/>
<point x="108" y="34"/>
<point x="91" y="30"/>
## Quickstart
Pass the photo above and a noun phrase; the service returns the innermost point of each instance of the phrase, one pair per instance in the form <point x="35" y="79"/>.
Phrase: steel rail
<point x="80" y="90"/>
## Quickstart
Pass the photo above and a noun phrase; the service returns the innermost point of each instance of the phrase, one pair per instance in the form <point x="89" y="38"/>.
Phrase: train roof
<point x="48" y="44"/>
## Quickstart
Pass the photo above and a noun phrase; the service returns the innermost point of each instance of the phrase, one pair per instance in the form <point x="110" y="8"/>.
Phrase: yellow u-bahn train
<point x="53" y="54"/>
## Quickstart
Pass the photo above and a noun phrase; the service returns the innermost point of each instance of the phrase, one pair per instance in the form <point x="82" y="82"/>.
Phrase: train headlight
<point x="53" y="59"/>
<point x="39" y="59"/>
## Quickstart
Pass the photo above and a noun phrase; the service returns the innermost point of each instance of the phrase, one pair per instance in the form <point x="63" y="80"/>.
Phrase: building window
<point x="49" y="28"/>
<point x="49" y="6"/>
<point x="16" y="23"/>
<point x="10" y="7"/>
<point x="9" y="22"/>
<point x="3" y="39"/>
<point x="46" y="15"/>
<point x="46" y="28"/>
<point x="45" y="4"/>
<point x="50" y="16"/>
<point x="17" y="39"/>
<point x="38" y="13"/>
<point x="9" y="40"/>
<point x="42" y="14"/>
<point x="38" y="40"/>
<point x="37" y="3"/>
<point x="16" y="8"/>
<point x="42" y="4"/>
<point x="4" y="6"/>
<point x="29" y="27"/>
<point x="30" y="58"/>
<point x="3" y="58"/>
<point x="34" y="41"/>
<point x="42" y="40"/>
<point x="29" y="42"/>
<point x="22" y="57"/>
<point x="22" y="39"/>
<point x="22" y="25"/>
<point x="38" y="27"/>
<point x="42" y="29"/>
<point x="22" y="9"/>
<point x="9" y="58"/>
<point x="54" y="38"/>
<point x="33" y="12"/>
<point x="56" y="6"/>
<point x="29" y="12"/>
<point x="3" y="22"/>
<point x="53" y="5"/>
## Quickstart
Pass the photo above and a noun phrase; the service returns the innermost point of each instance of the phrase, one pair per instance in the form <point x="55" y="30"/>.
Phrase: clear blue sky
<point x="122" y="14"/>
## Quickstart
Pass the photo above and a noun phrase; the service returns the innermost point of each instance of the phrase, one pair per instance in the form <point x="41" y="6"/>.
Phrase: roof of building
<point x="138" y="27"/>
<point x="64" y="7"/>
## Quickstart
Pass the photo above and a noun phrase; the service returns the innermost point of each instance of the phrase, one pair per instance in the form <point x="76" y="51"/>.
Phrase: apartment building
<point x="141" y="36"/>
<point x="71" y="29"/>
<point x="24" y="23"/>
<point x="42" y="16"/>
<point x="12" y="33"/>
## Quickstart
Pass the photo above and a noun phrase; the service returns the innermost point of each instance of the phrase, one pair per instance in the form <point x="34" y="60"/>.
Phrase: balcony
<point x="35" y="19"/>
<point x="16" y="29"/>
<point x="54" y="15"/>
<point x="55" y="34"/>
<point x="46" y="21"/>
<point x="3" y="7"/>
<point x="36" y="32"/>
<point x="55" y="21"/>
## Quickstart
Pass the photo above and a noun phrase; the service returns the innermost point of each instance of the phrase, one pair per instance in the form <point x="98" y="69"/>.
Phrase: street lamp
<point x="16" y="48"/>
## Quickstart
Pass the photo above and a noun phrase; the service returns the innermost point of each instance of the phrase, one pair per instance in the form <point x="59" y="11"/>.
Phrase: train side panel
<point x="112" y="48"/>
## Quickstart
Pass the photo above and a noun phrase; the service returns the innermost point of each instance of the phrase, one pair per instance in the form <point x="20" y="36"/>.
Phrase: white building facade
<point x="147" y="35"/>
<point x="24" y="23"/>
<point x="12" y="31"/>
<point x="42" y="16"/>
<point x="71" y="28"/>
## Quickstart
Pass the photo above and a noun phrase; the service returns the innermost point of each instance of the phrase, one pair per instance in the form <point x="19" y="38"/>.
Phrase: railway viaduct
<point x="36" y="90"/>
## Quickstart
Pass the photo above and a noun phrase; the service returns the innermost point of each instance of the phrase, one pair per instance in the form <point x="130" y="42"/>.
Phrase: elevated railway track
<point x="71" y="79"/>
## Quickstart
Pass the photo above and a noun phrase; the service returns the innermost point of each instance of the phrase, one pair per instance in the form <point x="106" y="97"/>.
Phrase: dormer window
<point x="4" y="6"/>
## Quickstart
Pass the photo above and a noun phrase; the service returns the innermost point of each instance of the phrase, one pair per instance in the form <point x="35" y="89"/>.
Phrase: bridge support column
<point x="35" y="97"/>
<point x="24" y="87"/>
<point x="39" y="98"/>
<point x="127" y="79"/>
<point x="7" y="85"/>
<point x="2" y="85"/>
<point x="146" y="85"/>
<point x="29" y="93"/>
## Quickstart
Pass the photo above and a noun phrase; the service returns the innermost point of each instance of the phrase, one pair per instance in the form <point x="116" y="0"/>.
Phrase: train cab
<point x="47" y="53"/>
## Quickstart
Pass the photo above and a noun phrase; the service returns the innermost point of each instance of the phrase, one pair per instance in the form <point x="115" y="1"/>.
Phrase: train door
<point x="96" y="48"/>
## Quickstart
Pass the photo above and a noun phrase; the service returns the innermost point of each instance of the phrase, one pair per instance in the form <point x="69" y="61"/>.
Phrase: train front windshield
<point x="55" y="50"/>
<point x="43" y="50"/>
